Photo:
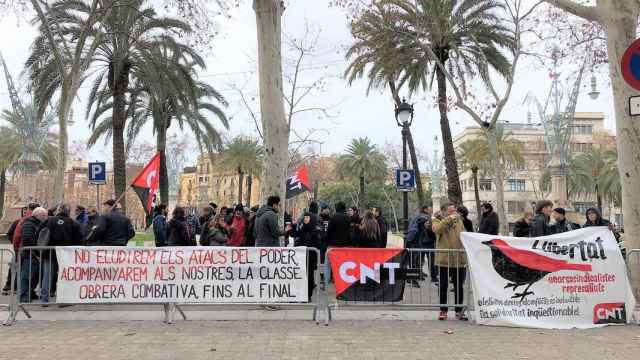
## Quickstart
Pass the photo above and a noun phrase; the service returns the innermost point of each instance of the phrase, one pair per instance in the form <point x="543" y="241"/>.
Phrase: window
<point x="581" y="207"/>
<point x="485" y="185"/>
<point x="580" y="147"/>
<point x="516" y="207"/>
<point x="581" y="129"/>
<point x="516" y="185"/>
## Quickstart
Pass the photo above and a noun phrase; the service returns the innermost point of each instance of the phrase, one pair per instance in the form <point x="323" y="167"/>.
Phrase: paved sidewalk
<point x="361" y="340"/>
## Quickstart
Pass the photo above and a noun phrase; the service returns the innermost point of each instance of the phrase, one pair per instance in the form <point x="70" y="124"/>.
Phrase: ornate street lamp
<point x="404" y="118"/>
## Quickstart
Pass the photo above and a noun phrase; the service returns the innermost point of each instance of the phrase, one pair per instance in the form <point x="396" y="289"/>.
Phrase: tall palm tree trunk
<point x="240" y="183"/>
<point x="249" y="188"/>
<point x="3" y="187"/>
<point x="416" y="168"/>
<point x="161" y="147"/>
<point x="361" y="198"/>
<point x="451" y="165"/>
<point x="476" y="190"/>
<point x="499" y="179"/>
<point x="119" y="89"/>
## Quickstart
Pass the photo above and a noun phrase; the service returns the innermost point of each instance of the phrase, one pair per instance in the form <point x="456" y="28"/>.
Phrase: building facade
<point x="523" y="183"/>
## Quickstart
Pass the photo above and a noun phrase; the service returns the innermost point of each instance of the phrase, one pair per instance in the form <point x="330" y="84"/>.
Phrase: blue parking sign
<point x="97" y="173"/>
<point x="405" y="180"/>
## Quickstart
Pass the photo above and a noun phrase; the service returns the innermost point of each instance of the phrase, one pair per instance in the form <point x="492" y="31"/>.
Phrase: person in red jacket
<point x="236" y="229"/>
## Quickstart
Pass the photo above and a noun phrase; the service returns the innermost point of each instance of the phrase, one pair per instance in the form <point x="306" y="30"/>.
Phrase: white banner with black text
<point x="576" y="279"/>
<point x="181" y="274"/>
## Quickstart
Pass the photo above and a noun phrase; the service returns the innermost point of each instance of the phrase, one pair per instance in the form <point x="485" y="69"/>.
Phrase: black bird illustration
<point x="522" y="267"/>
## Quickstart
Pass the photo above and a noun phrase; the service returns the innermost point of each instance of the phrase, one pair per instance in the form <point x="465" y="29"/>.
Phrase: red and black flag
<point x="146" y="183"/>
<point x="298" y="183"/>
<point x="370" y="274"/>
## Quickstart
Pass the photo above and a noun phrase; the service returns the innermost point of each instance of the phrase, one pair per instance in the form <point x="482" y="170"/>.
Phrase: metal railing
<point x="7" y="261"/>
<point x="35" y="279"/>
<point x="429" y="287"/>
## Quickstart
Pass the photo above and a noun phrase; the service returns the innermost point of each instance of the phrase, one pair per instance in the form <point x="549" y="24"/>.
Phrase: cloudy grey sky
<point x="232" y="64"/>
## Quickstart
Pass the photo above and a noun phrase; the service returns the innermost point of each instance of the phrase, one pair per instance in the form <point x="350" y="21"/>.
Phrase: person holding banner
<point x="447" y="225"/>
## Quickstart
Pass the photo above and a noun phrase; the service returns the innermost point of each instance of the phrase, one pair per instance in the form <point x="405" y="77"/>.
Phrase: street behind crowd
<point x="382" y="339"/>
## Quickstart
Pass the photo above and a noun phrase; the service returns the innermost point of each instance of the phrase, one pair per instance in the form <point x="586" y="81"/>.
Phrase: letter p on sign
<point x="405" y="180"/>
<point x="97" y="173"/>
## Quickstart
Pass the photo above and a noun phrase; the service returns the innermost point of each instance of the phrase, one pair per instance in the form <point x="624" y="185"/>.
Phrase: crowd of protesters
<point x="38" y="226"/>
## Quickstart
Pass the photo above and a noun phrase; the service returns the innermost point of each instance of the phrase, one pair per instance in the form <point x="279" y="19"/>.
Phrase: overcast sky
<point x="232" y="64"/>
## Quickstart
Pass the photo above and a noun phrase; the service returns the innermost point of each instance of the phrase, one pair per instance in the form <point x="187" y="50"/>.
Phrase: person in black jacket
<point x="178" y="229"/>
<point x="382" y="223"/>
<point x="562" y="223"/>
<point x="308" y="234"/>
<point x="354" y="222"/>
<point x="339" y="229"/>
<point x="369" y="235"/>
<point x="63" y="231"/>
<point x="521" y="227"/>
<point x="595" y="219"/>
<point x="92" y="224"/>
<point x="205" y="219"/>
<point x="249" y="231"/>
<point x="113" y="229"/>
<point x="29" y="264"/>
<point x="464" y="213"/>
<point x="540" y="223"/>
<point x="489" y="222"/>
<point x="160" y="225"/>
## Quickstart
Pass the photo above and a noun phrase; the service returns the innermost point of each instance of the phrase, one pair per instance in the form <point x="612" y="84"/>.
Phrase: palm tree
<point x="166" y="91"/>
<point x="126" y="36"/>
<point x="387" y="62"/>
<point x="473" y="155"/>
<point x="362" y="161"/>
<point x="245" y="156"/>
<point x="593" y="172"/>
<point x="465" y="36"/>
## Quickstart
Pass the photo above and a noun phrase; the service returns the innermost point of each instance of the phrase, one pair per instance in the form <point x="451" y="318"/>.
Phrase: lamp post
<point x="404" y="118"/>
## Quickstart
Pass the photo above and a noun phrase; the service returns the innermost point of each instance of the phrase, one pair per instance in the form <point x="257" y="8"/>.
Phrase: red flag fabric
<point x="298" y="183"/>
<point x="147" y="182"/>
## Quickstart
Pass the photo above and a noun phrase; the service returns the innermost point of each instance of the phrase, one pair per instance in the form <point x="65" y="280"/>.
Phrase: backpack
<point x="44" y="236"/>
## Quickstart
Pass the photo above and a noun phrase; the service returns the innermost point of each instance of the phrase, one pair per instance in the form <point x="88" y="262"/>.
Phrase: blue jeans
<point x="29" y="271"/>
<point x="49" y="271"/>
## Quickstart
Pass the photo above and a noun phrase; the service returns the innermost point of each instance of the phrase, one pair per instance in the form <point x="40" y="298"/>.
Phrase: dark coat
<point x="30" y="231"/>
<point x="540" y="226"/>
<point x="249" y="232"/>
<point x="113" y="229"/>
<point x="178" y="233"/>
<point x="564" y="226"/>
<point x="468" y="225"/>
<point x="382" y="223"/>
<point x="160" y="230"/>
<point x="268" y="231"/>
<point x="339" y="231"/>
<point x="63" y="231"/>
<point x="308" y="235"/>
<point x="599" y="220"/>
<point x="489" y="224"/>
<point x="217" y="237"/>
<point x="521" y="228"/>
<point x="12" y="230"/>
<point x="365" y="241"/>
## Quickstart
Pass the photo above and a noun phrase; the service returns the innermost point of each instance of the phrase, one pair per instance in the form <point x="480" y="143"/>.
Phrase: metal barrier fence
<point x="427" y="291"/>
<point x="6" y="276"/>
<point x="35" y="280"/>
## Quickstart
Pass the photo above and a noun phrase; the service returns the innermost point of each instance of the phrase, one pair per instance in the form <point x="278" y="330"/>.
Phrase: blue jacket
<point x="160" y="230"/>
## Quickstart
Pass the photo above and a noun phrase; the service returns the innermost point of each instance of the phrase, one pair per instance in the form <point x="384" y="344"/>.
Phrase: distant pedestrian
<point x="562" y="223"/>
<point x="339" y="228"/>
<point x="369" y="235"/>
<point x="178" y="230"/>
<point x="160" y="225"/>
<point x="354" y="222"/>
<point x="268" y="231"/>
<point x="540" y="223"/>
<point x="489" y="222"/>
<point x="193" y="227"/>
<point x="382" y="223"/>
<point x="114" y="228"/>
<point x="308" y="234"/>
<point x="521" y="227"/>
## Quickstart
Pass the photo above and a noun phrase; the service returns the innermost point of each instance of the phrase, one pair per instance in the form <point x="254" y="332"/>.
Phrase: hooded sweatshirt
<point x="267" y="230"/>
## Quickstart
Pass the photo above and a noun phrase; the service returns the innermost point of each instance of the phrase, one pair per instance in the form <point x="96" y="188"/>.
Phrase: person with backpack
<point x="58" y="230"/>
<point x="160" y="225"/>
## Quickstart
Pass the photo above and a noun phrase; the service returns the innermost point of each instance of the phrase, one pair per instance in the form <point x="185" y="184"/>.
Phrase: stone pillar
<point x="558" y="183"/>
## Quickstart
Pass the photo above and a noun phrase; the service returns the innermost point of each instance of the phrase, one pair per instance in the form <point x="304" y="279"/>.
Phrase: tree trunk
<point x="496" y="161"/>
<point x="416" y="168"/>
<point x="453" y="180"/>
<point x="161" y="147"/>
<point x="476" y="191"/>
<point x="361" y="197"/>
<point x="240" y="183"/>
<point x="3" y="186"/>
<point x="274" y="125"/>
<point x="64" y="110"/>
<point x="119" y="89"/>
<point x="249" y="188"/>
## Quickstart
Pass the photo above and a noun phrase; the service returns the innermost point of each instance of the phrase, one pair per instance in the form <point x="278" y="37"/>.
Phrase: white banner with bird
<point x="576" y="279"/>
